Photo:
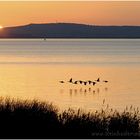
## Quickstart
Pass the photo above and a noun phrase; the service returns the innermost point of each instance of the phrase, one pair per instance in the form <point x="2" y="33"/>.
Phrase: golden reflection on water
<point x="42" y="82"/>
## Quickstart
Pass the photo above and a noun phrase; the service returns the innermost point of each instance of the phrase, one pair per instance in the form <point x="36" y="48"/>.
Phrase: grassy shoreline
<point x="34" y="119"/>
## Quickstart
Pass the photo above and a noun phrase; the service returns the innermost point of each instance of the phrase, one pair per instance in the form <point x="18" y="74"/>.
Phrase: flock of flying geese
<point x="85" y="82"/>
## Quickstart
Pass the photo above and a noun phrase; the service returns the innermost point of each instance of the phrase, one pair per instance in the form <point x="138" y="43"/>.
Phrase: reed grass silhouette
<point x="34" y="119"/>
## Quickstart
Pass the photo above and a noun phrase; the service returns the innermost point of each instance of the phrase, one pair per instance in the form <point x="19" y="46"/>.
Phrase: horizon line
<point x="68" y="23"/>
<point x="65" y="0"/>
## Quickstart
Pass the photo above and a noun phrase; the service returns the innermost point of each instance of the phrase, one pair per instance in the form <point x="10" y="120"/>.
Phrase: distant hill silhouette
<point x="70" y="30"/>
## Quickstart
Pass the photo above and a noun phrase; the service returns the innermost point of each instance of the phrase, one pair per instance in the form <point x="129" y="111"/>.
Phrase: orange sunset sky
<point x="91" y="12"/>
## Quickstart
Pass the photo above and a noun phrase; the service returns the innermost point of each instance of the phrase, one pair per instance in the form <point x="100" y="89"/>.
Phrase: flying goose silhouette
<point x="75" y="82"/>
<point x="61" y="81"/>
<point x="85" y="83"/>
<point x="70" y="80"/>
<point x="80" y="82"/>
<point x="105" y="81"/>
<point x="89" y="81"/>
<point x="98" y="80"/>
<point x="94" y="83"/>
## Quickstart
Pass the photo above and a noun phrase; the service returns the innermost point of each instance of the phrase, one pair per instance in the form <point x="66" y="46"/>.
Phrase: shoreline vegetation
<point x="35" y="119"/>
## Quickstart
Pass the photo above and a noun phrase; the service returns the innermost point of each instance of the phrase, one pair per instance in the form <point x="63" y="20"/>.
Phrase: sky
<point x="92" y="12"/>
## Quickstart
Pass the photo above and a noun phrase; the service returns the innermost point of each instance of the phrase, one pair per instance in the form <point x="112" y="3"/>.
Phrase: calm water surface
<point x="32" y="69"/>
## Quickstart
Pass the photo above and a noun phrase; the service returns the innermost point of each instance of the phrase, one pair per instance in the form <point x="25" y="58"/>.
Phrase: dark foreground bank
<point x="34" y="119"/>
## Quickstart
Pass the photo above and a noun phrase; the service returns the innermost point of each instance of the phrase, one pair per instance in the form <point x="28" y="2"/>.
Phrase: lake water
<point x="32" y="69"/>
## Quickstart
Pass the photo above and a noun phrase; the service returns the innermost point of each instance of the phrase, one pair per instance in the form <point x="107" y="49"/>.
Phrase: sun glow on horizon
<point x="1" y="27"/>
